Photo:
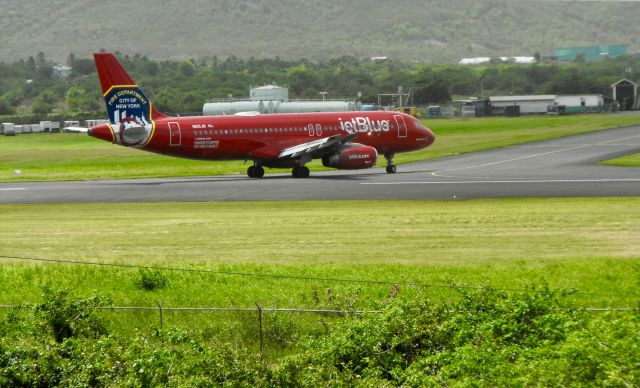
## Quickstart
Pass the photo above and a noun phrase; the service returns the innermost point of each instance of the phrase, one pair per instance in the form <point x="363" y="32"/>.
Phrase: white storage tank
<point x="231" y="108"/>
<point x="269" y="92"/>
<point x="316" y="106"/>
<point x="272" y="106"/>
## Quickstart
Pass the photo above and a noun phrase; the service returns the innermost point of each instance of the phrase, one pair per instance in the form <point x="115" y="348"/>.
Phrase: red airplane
<point x="272" y="140"/>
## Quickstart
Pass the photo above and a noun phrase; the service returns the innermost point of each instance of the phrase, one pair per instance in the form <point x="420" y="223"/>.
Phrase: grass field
<point x="586" y="244"/>
<point x="626" y="161"/>
<point x="343" y="255"/>
<point x="48" y="157"/>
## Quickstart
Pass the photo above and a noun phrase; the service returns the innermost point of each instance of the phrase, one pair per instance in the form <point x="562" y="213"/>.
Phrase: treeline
<point x="31" y="86"/>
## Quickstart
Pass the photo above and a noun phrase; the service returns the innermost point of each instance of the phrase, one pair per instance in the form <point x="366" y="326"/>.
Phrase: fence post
<point x="260" y="321"/>
<point x="160" y="308"/>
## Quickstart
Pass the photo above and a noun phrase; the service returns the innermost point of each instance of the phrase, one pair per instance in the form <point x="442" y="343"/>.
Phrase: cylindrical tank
<point x="315" y="106"/>
<point x="230" y="108"/>
<point x="272" y="106"/>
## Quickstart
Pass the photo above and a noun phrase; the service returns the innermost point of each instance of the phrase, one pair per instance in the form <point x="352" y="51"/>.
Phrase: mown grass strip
<point x="584" y="244"/>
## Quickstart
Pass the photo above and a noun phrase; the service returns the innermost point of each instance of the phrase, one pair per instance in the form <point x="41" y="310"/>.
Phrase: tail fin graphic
<point x="131" y="113"/>
<point x="121" y="94"/>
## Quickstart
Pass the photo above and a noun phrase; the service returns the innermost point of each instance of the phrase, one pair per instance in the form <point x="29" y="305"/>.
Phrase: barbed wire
<point x="308" y="278"/>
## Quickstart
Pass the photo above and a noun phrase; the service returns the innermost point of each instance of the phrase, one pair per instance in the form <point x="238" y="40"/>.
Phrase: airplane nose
<point x="430" y="136"/>
<point x="103" y="132"/>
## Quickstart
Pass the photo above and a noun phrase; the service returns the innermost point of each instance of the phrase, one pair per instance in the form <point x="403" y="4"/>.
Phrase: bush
<point x="150" y="280"/>
<point x="487" y="338"/>
<point x="71" y="318"/>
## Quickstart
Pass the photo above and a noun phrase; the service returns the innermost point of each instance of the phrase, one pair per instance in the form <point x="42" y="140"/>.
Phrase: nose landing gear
<point x="391" y="168"/>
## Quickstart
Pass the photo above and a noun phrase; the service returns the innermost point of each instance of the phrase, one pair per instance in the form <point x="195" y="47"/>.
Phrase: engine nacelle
<point x="351" y="158"/>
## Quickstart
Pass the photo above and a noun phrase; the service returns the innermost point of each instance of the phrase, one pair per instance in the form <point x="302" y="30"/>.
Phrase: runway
<point x="565" y="167"/>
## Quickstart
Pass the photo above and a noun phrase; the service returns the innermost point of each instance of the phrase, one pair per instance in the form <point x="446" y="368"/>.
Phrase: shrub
<point x="67" y="317"/>
<point x="150" y="280"/>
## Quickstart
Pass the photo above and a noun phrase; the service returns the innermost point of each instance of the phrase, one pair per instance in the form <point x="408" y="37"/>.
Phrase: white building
<point x="533" y="104"/>
<point x="581" y="103"/>
<point x="61" y="71"/>
<point x="485" y="60"/>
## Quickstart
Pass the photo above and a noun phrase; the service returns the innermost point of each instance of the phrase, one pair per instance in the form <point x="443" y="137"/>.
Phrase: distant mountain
<point x="427" y="31"/>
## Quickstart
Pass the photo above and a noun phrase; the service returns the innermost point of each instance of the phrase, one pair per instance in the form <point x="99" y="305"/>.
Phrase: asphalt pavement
<point x="565" y="167"/>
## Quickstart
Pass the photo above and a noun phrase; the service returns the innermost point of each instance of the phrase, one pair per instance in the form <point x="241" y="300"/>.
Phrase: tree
<point x="432" y="88"/>
<point x="152" y="68"/>
<point x="45" y="69"/>
<point x="30" y="67"/>
<point x="5" y="107"/>
<point x="187" y="68"/>
<point x="41" y="107"/>
<point x="83" y="67"/>
<point x="76" y="99"/>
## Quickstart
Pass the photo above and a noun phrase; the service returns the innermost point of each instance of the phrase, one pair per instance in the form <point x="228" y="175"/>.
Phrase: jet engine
<point x="351" y="157"/>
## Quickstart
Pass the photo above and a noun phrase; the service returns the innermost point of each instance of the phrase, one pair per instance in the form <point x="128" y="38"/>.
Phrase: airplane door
<point x="402" y="126"/>
<point x="175" y="137"/>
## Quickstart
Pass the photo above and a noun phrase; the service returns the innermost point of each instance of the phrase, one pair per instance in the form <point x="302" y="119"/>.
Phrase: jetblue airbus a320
<point x="344" y="140"/>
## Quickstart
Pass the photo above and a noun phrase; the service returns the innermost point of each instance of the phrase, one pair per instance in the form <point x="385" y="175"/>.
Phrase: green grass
<point x="50" y="157"/>
<point x="586" y="244"/>
<point x="625" y="161"/>
<point x="475" y="134"/>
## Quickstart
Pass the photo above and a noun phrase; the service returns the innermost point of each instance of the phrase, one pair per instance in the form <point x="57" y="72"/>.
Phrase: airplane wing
<point x="315" y="145"/>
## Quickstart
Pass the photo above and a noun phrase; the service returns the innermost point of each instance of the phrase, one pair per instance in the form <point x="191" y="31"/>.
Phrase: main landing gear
<point x="391" y="168"/>
<point x="300" y="171"/>
<point x="255" y="171"/>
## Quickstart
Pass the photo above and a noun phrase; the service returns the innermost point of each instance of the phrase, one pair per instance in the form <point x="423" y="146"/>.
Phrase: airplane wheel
<point x="391" y="169"/>
<point x="300" y="172"/>
<point x="255" y="171"/>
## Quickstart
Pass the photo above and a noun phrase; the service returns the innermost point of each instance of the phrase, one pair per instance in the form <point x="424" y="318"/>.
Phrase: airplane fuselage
<point x="260" y="137"/>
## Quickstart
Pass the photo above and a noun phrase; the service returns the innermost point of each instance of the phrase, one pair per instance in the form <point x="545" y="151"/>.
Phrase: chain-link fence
<point x="270" y="331"/>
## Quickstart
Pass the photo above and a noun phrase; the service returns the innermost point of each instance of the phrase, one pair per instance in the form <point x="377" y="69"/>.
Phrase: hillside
<point x="429" y="31"/>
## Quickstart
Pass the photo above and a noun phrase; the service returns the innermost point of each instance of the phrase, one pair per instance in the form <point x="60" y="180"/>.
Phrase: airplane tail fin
<point x="123" y="97"/>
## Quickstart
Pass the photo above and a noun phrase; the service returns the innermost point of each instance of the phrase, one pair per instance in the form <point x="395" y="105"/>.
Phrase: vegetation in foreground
<point x="487" y="338"/>
<point x="49" y="157"/>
